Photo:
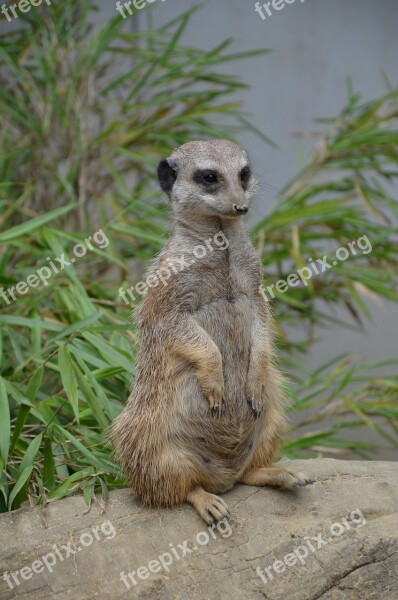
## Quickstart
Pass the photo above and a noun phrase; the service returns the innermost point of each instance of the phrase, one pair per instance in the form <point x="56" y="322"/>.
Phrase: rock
<point x="334" y="540"/>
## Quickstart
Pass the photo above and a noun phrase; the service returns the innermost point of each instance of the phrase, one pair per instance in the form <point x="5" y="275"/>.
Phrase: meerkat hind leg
<point x="209" y="506"/>
<point x="275" y="476"/>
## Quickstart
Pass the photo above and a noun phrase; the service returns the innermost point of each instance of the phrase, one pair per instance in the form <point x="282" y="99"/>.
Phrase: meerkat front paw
<point x="213" y="389"/>
<point x="255" y="399"/>
<point x="216" y="401"/>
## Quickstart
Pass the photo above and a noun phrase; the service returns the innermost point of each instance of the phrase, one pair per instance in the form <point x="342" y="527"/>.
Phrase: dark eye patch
<point x="245" y="175"/>
<point x="206" y="177"/>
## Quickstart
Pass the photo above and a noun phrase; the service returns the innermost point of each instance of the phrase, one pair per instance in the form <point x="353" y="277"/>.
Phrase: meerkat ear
<point x="167" y="174"/>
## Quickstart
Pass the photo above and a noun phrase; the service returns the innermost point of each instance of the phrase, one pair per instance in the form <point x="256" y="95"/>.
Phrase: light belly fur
<point x="220" y="446"/>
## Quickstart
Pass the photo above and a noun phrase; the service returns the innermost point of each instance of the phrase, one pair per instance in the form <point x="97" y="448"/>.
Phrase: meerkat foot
<point x="209" y="506"/>
<point x="277" y="477"/>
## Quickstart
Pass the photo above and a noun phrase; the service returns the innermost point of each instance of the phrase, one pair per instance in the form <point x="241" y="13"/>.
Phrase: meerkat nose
<point x="240" y="210"/>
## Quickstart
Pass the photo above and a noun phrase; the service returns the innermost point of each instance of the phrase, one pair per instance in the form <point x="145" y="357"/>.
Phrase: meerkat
<point x="207" y="407"/>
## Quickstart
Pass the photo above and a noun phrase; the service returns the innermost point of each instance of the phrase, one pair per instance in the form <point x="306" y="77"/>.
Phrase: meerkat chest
<point x="228" y="276"/>
<point x="243" y="262"/>
<point x="211" y="275"/>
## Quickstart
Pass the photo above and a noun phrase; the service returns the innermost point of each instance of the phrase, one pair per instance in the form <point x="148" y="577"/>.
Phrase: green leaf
<point x="31" y="323"/>
<point x="4" y="425"/>
<point x="30" y="454"/>
<point x="32" y="225"/>
<point x="70" y="484"/>
<point x="91" y="459"/>
<point x="20" y="483"/>
<point x="49" y="469"/>
<point x="34" y="384"/>
<point x="23" y="412"/>
<point x="91" y="398"/>
<point x="68" y="378"/>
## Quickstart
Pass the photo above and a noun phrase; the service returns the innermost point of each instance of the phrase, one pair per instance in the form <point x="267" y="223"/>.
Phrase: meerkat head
<point x="208" y="178"/>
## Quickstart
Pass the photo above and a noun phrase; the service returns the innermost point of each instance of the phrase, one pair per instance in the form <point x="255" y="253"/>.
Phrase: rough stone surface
<point x="357" y="557"/>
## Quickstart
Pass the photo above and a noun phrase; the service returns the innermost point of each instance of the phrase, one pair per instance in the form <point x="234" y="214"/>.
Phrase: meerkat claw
<point x="210" y="507"/>
<point x="255" y="410"/>
<point x="307" y="481"/>
<point x="210" y="518"/>
<point x="219" y="409"/>
<point x="303" y="480"/>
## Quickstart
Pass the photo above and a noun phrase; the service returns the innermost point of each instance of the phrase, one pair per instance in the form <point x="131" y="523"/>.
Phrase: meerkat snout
<point x="208" y="178"/>
<point x="240" y="210"/>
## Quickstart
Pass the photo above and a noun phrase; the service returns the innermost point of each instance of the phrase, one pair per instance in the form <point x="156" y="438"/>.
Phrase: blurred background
<point x="89" y="103"/>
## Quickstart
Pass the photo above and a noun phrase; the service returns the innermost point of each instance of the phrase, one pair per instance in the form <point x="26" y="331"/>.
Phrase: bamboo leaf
<point x="20" y="483"/>
<point x="31" y="226"/>
<point x="4" y="425"/>
<point x="68" y="378"/>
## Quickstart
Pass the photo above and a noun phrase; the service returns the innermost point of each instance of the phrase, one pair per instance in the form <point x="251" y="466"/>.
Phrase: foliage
<point x="85" y="115"/>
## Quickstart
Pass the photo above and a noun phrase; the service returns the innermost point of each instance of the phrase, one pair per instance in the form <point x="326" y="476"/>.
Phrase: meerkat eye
<point x="245" y="175"/>
<point x="209" y="177"/>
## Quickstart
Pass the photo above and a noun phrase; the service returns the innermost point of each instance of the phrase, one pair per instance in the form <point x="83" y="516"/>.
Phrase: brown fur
<point x="204" y="338"/>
